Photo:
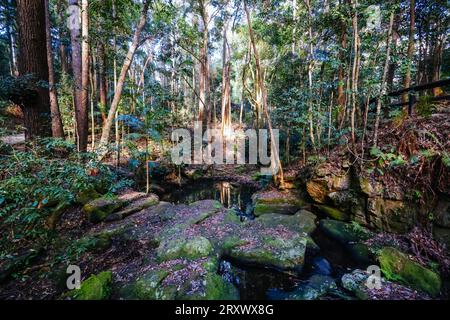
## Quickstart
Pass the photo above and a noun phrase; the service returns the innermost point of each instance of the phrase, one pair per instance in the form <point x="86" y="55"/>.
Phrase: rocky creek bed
<point x="240" y="244"/>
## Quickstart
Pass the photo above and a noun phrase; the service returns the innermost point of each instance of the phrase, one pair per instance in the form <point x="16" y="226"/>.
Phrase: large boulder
<point x="190" y="248"/>
<point x="135" y="206"/>
<point x="274" y="248"/>
<point x="99" y="209"/>
<point x="390" y="215"/>
<point x="96" y="287"/>
<point x="181" y="280"/>
<point x="396" y="266"/>
<point x="276" y="202"/>
<point x="356" y="282"/>
<point x="333" y="213"/>
<point x="344" y="233"/>
<point x="302" y="222"/>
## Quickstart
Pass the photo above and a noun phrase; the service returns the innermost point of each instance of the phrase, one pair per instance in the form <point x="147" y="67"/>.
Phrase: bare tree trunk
<point x="383" y="80"/>
<point x="62" y="47"/>
<point x="33" y="60"/>
<point x="203" y="104"/>
<point x="57" y="126"/>
<point x="123" y="73"/>
<point x="407" y="79"/>
<point x="226" y="90"/>
<point x="11" y="40"/>
<point x="103" y="84"/>
<point x="274" y="152"/>
<point x="355" y="71"/>
<point x="310" y="71"/>
<point x="80" y="109"/>
<point x="84" y="74"/>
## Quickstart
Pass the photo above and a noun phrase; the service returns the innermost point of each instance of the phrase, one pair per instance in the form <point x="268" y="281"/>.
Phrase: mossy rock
<point x="99" y="209"/>
<point x="397" y="266"/>
<point x="216" y="288"/>
<point x="148" y="286"/>
<point x="361" y="253"/>
<point x="344" y="232"/>
<point x="316" y="287"/>
<point x="192" y="248"/>
<point x="273" y="252"/>
<point x="333" y="213"/>
<point x="96" y="287"/>
<point x="86" y="196"/>
<point x="302" y="222"/>
<point x="280" y="208"/>
<point x="136" y="206"/>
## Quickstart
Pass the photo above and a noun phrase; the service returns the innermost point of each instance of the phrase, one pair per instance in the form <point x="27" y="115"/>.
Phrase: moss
<point x="146" y="287"/>
<point x="96" y="287"/>
<point x="302" y="221"/>
<point x="217" y="288"/>
<point x="98" y="209"/>
<point x="360" y="253"/>
<point x="231" y="217"/>
<point x="87" y="195"/>
<point x="333" y="213"/>
<point x="274" y="207"/>
<point x="397" y="266"/>
<point x="343" y="232"/>
<point x="193" y="248"/>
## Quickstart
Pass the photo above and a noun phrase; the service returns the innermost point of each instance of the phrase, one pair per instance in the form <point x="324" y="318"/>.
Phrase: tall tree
<point x="383" y="80"/>
<point x="33" y="62"/>
<point x="410" y="52"/>
<point x="57" y="126"/>
<point x="121" y="80"/>
<point x="278" y="176"/>
<point x="84" y="73"/>
<point x="226" y="86"/>
<point x="81" y="116"/>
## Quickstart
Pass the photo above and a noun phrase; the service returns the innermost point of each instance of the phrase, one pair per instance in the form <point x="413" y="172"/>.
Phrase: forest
<point x="224" y="150"/>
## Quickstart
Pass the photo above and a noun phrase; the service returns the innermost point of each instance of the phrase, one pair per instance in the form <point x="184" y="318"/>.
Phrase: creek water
<point x="257" y="283"/>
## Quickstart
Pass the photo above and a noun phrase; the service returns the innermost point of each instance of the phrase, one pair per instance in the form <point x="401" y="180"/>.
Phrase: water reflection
<point x="230" y="194"/>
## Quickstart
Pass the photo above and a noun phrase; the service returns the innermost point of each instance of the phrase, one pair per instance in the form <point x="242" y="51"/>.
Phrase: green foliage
<point x="33" y="184"/>
<point x="387" y="159"/>
<point x="424" y="106"/>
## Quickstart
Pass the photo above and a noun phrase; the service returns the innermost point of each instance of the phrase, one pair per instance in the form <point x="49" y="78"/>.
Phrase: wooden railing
<point x="411" y="94"/>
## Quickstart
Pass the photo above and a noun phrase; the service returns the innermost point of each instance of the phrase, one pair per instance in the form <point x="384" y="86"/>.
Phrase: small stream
<point x="257" y="283"/>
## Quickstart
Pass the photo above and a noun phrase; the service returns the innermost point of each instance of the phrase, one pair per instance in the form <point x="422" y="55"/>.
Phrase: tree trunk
<point x="57" y="126"/>
<point x="310" y="74"/>
<point x="11" y="39"/>
<point x="383" y="80"/>
<point x="33" y="61"/>
<point x="407" y="79"/>
<point x="203" y="104"/>
<point x="226" y="90"/>
<point x="84" y="75"/>
<point x="355" y="71"/>
<point x="103" y="84"/>
<point x="123" y="73"/>
<point x="81" y="119"/>
<point x="62" y="47"/>
<point x="274" y="152"/>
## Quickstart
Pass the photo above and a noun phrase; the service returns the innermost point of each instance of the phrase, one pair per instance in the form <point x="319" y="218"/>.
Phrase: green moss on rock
<point x="397" y="266"/>
<point x="99" y="209"/>
<point x="334" y="213"/>
<point x="343" y="232"/>
<point x="96" y="287"/>
<point x="192" y="248"/>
